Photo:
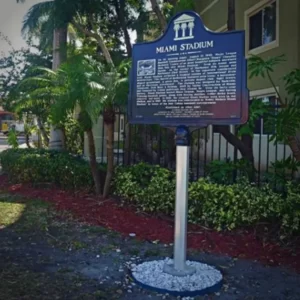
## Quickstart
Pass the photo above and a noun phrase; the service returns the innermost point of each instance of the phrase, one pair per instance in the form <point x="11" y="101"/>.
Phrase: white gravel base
<point x="151" y="273"/>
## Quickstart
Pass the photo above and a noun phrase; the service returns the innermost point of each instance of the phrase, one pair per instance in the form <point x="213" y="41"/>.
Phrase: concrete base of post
<point x="186" y="271"/>
<point x="161" y="276"/>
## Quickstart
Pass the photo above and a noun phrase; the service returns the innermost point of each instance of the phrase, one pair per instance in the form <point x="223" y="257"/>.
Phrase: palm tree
<point x="85" y="16"/>
<point x="51" y="10"/>
<point x="101" y="92"/>
<point x="118" y="82"/>
<point x="84" y="83"/>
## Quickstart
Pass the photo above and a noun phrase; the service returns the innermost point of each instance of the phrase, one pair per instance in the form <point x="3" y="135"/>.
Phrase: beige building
<point x="272" y="28"/>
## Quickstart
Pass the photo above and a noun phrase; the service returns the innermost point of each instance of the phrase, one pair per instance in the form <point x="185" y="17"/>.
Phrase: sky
<point x="11" y="16"/>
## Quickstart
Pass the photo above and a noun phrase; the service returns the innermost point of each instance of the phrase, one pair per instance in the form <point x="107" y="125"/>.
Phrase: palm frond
<point x="96" y="86"/>
<point x="29" y="82"/>
<point x="36" y="15"/>
<point x="45" y="34"/>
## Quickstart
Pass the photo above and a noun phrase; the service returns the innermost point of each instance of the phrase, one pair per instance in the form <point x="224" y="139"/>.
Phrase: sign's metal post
<point x="182" y="154"/>
<point x="179" y="268"/>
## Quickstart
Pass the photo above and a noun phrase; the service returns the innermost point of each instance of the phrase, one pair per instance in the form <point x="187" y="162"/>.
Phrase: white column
<point x="176" y="28"/>
<point x="191" y="27"/>
<point x="183" y="28"/>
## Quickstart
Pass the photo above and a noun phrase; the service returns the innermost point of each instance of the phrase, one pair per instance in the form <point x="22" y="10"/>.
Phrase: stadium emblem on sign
<point x="184" y="27"/>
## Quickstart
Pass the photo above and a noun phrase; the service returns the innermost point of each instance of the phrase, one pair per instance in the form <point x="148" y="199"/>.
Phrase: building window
<point x="262" y="26"/>
<point x="265" y="124"/>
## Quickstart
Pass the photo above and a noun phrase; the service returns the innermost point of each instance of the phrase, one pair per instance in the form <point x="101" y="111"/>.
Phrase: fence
<point x="155" y="145"/>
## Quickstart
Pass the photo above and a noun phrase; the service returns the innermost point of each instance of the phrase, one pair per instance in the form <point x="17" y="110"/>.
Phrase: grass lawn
<point x="24" y="215"/>
<point x="45" y="254"/>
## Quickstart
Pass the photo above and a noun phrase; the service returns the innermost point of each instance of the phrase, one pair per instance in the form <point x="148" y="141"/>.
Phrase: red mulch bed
<point x="109" y="213"/>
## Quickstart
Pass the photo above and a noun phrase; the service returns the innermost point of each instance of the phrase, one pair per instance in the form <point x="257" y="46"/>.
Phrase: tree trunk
<point x="293" y="143"/>
<point x="248" y="142"/>
<point x="27" y="140"/>
<point x="99" y="38"/>
<point x="159" y="148"/>
<point x="43" y="132"/>
<point x="120" y="10"/>
<point x="64" y="137"/>
<point x="235" y="141"/>
<point x="171" y="149"/>
<point x="140" y="30"/>
<point x="244" y="148"/>
<point x="161" y="18"/>
<point x="127" y="42"/>
<point x="59" y="56"/>
<point x="109" y="115"/>
<point x="104" y="49"/>
<point x="59" y="46"/>
<point x="145" y="152"/>
<point x="93" y="161"/>
<point x="231" y="15"/>
<point x="109" y="122"/>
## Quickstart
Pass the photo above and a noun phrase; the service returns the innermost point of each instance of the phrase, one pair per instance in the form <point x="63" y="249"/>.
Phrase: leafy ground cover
<point x="63" y="246"/>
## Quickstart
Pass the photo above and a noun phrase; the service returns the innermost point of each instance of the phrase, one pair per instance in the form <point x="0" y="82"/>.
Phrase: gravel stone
<point x="151" y="273"/>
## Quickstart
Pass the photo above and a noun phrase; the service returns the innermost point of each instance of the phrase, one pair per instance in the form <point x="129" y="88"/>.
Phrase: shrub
<point x="74" y="136"/>
<point x="228" y="207"/>
<point x="43" y="166"/>
<point x="12" y="139"/>
<point x="219" y="206"/>
<point x="225" y="171"/>
<point x="146" y="185"/>
<point x="280" y="171"/>
<point x="291" y="209"/>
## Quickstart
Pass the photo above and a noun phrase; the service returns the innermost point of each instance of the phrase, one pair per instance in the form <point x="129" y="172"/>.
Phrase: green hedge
<point x="42" y="166"/>
<point x="218" y="206"/>
<point x="152" y="188"/>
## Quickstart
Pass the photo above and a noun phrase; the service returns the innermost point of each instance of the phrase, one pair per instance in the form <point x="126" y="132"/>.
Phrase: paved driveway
<point x="4" y="144"/>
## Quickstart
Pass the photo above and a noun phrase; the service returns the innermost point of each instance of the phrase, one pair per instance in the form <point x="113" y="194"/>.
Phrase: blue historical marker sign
<point x="190" y="76"/>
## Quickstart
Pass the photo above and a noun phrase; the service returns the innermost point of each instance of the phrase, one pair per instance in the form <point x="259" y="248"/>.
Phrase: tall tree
<point x="94" y="20"/>
<point x="244" y="145"/>
<point x="84" y="83"/>
<point x="59" y="56"/>
<point x="89" y="29"/>
<point x="56" y="11"/>
<point x="160" y="16"/>
<point x="231" y="15"/>
<point x="87" y="24"/>
<point x="120" y="6"/>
